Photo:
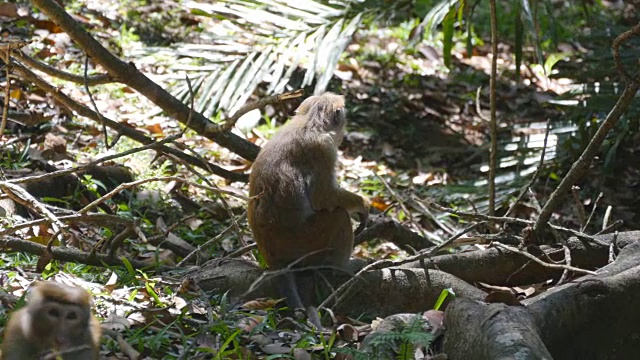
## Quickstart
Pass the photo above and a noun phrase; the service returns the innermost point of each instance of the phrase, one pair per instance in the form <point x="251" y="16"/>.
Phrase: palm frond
<point x="261" y="41"/>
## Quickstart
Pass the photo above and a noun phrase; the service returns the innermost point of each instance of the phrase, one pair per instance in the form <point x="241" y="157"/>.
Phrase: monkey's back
<point x="285" y="225"/>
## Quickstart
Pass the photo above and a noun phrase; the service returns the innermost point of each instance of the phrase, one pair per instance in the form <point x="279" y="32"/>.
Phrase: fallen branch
<point x="121" y="128"/>
<point x="542" y="263"/>
<point x="127" y="73"/>
<point x="51" y="71"/>
<point x="12" y="244"/>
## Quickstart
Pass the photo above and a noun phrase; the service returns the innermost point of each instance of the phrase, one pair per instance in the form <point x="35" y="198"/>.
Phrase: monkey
<point x="56" y="322"/>
<point x="297" y="212"/>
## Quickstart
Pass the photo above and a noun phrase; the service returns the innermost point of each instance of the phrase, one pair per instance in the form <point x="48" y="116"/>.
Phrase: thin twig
<point x="37" y="178"/>
<point x="616" y="224"/>
<point x="21" y="196"/>
<point x="582" y="216"/>
<point x="129" y="185"/>
<point x="616" y="52"/>
<point x="493" y="153"/>
<point x="381" y="264"/>
<point x="67" y="253"/>
<point x="593" y="211"/>
<point x="50" y="70"/>
<point x="82" y="110"/>
<point x="7" y="90"/>
<point x="542" y="263"/>
<point x="77" y="218"/>
<point x="401" y="204"/>
<point x="510" y="220"/>
<point x="567" y="259"/>
<point x="93" y="103"/>
<point x="580" y="166"/>
<point x="534" y="178"/>
<point x="429" y="214"/>
<point x="290" y="268"/>
<point x="538" y="208"/>
<point x="224" y="202"/>
<point x="242" y="250"/>
<point x="207" y="244"/>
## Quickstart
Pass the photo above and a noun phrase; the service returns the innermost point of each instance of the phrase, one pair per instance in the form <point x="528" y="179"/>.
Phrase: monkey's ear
<point x="305" y="106"/>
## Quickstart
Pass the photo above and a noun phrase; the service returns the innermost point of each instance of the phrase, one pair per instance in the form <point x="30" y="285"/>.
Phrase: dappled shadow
<point x="405" y="125"/>
<point x="419" y="123"/>
<point x="422" y="123"/>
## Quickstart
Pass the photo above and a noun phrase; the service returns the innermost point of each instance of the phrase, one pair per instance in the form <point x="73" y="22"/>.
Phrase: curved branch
<point x="129" y="75"/>
<point x="127" y="131"/>
<point x="50" y="70"/>
<point x="9" y="243"/>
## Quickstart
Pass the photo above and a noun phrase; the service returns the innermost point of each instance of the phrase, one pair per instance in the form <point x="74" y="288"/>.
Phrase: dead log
<point x="387" y="291"/>
<point x="496" y="267"/>
<point x="594" y="317"/>
<point x="409" y="288"/>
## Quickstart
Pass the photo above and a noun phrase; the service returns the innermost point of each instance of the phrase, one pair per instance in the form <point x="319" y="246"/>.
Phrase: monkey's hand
<point x="363" y="216"/>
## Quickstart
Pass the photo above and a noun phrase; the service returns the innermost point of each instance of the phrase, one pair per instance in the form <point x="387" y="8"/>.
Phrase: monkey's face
<point x="62" y="323"/>
<point x="336" y="127"/>
<point x="324" y="114"/>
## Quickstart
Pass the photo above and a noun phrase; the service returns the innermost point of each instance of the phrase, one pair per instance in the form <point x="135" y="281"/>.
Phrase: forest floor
<point x="417" y="130"/>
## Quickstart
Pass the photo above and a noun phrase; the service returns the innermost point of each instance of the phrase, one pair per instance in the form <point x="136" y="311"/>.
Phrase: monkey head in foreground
<point x="56" y="322"/>
<point x="298" y="213"/>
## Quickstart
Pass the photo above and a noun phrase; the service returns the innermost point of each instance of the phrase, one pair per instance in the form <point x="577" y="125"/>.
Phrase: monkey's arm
<point x="325" y="194"/>
<point x="341" y="198"/>
<point x="359" y="205"/>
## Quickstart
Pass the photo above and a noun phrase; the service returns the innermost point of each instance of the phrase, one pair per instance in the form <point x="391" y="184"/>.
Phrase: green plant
<point x="400" y="343"/>
<point x="15" y="158"/>
<point x="443" y="295"/>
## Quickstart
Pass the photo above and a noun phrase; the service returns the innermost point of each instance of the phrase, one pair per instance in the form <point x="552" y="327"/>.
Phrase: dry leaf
<point x="247" y="324"/>
<point x="379" y="203"/>
<point x="155" y="129"/>
<point x="435" y="318"/>
<point x="301" y="354"/>
<point x="8" y="10"/>
<point x="116" y="323"/>
<point x="261" y="304"/>
<point x="193" y="223"/>
<point x="276" y="348"/>
<point x="347" y="333"/>
<point x="112" y="283"/>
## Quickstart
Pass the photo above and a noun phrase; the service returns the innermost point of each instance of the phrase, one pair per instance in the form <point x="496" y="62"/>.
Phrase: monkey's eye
<point x="54" y="313"/>
<point x="339" y="115"/>
<point x="72" y="315"/>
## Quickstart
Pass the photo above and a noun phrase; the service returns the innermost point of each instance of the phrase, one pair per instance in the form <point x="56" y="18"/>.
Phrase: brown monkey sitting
<point x="56" y="321"/>
<point x="298" y="213"/>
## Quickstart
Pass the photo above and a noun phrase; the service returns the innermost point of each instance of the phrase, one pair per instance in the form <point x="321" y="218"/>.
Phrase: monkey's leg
<point x="289" y="288"/>
<point x="305" y="281"/>
<point x="312" y="316"/>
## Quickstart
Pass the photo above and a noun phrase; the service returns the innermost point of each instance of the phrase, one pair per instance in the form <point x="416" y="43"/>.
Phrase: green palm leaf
<point x="264" y="41"/>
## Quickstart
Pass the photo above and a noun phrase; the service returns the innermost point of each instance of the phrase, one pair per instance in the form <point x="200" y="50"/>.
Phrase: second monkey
<point x="298" y="213"/>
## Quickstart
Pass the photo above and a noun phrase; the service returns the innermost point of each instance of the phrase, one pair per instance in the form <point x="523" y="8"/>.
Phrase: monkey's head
<point x="326" y="114"/>
<point x="62" y="312"/>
